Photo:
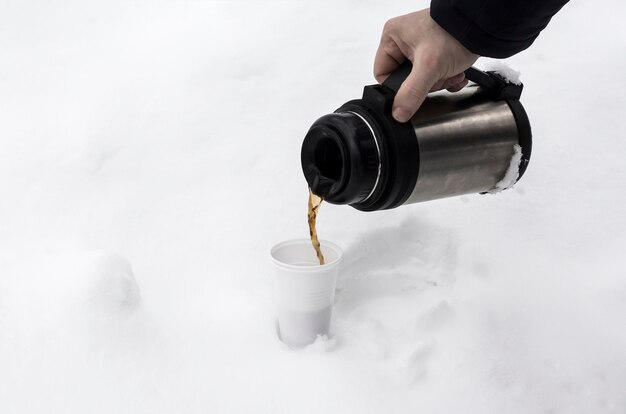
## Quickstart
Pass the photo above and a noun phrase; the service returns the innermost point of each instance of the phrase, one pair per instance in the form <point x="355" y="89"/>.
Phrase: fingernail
<point x="401" y="114"/>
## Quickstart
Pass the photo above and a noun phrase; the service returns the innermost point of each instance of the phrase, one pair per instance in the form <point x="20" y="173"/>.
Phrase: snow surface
<point x="149" y="158"/>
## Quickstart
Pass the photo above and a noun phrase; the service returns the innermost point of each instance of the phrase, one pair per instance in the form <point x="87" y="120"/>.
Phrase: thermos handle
<point x="490" y="81"/>
<point x="495" y="83"/>
<point x="395" y="79"/>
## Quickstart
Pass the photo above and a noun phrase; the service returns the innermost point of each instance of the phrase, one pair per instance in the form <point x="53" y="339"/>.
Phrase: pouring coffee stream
<point x="315" y="202"/>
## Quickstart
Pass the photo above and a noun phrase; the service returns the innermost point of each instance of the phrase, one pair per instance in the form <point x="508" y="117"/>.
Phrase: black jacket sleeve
<point x="494" y="28"/>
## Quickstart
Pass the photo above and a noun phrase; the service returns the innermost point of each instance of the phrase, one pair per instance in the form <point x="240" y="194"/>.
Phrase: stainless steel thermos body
<point x="462" y="148"/>
<point x="457" y="143"/>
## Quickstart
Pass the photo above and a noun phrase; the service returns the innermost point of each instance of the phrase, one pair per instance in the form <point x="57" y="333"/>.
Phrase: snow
<point x="149" y="159"/>
<point x="322" y="344"/>
<point x="502" y="69"/>
<point x="511" y="174"/>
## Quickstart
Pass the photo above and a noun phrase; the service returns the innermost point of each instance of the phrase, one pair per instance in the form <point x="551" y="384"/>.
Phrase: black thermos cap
<point x="340" y="159"/>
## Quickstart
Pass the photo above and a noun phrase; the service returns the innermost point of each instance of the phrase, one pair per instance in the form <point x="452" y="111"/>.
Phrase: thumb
<point x="412" y="93"/>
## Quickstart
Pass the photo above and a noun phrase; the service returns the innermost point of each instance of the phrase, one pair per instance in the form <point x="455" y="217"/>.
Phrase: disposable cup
<point x="304" y="290"/>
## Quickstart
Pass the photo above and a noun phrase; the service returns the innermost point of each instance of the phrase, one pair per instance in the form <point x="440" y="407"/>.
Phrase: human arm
<point x="494" y="28"/>
<point x="444" y="41"/>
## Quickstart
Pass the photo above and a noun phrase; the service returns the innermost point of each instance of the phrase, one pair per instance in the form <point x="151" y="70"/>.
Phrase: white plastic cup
<point x="304" y="290"/>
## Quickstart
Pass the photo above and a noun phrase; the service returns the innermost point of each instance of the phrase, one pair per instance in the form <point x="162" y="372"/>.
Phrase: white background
<point x="149" y="158"/>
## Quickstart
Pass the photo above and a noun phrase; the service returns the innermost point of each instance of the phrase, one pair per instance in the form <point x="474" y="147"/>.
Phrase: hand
<point x="439" y="60"/>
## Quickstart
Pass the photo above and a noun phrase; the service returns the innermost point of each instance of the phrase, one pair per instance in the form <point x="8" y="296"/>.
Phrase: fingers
<point x="388" y="58"/>
<point x="458" y="86"/>
<point x="413" y="92"/>
<point x="416" y="87"/>
<point x="453" y="81"/>
<point x="431" y="66"/>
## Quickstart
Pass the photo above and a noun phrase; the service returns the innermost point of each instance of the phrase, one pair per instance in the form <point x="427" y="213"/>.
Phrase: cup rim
<point x="302" y="268"/>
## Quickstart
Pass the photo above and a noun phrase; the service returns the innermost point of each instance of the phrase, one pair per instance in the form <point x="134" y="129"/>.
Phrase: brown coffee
<point x="314" y="204"/>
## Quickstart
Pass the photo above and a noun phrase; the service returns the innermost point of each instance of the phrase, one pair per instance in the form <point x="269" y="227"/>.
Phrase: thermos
<point x="457" y="143"/>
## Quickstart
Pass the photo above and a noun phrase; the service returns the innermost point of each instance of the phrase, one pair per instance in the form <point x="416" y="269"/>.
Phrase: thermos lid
<point x="341" y="158"/>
